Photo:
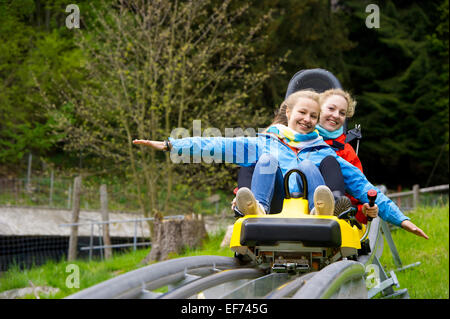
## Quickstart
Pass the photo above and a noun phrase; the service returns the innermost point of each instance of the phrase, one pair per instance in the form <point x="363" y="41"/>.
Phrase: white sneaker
<point x="323" y="201"/>
<point x="247" y="204"/>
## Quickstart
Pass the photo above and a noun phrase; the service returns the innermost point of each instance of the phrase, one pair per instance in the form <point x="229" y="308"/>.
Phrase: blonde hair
<point x="280" y="116"/>
<point x="350" y="101"/>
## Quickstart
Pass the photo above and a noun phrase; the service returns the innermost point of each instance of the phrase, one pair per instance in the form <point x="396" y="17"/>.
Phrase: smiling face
<point x="333" y="112"/>
<point x="303" y="115"/>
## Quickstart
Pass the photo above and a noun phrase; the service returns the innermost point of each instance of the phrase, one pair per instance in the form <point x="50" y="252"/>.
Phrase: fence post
<point x="69" y="196"/>
<point x="73" y="240"/>
<point x="51" y="188"/>
<point x="91" y="241"/>
<point x="416" y="196"/>
<point x="105" y="218"/>
<point x="30" y="159"/>
<point x="399" y="200"/>
<point x="135" y="236"/>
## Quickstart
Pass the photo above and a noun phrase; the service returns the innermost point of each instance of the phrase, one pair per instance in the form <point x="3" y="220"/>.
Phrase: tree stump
<point x="174" y="235"/>
<point x="227" y="238"/>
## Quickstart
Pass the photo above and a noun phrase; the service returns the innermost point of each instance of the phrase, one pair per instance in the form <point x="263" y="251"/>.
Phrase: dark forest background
<point x="398" y="73"/>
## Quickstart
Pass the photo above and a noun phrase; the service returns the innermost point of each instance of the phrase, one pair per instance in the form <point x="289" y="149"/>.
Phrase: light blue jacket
<point x="245" y="151"/>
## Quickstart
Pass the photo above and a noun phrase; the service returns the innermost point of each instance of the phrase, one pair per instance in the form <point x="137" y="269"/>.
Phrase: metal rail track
<point x="213" y="280"/>
<point x="227" y="277"/>
<point x="139" y="283"/>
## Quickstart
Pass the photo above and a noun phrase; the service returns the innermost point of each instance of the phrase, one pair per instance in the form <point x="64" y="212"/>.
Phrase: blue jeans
<point x="268" y="183"/>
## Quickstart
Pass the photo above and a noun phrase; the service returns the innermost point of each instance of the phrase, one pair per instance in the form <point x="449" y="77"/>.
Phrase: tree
<point x="312" y="32"/>
<point x="398" y="80"/>
<point x="18" y="133"/>
<point x="34" y="45"/>
<point x="153" y="66"/>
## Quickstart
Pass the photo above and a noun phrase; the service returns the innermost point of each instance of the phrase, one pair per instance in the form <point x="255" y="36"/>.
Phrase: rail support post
<point x="395" y="255"/>
<point x="73" y="241"/>
<point x="416" y="190"/>
<point x="388" y="236"/>
<point x="105" y="218"/>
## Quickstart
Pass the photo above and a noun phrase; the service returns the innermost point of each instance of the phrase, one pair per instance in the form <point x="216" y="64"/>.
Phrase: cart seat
<point x="311" y="232"/>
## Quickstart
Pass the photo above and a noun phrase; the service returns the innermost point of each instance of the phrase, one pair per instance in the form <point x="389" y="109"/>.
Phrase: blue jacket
<point x="245" y="151"/>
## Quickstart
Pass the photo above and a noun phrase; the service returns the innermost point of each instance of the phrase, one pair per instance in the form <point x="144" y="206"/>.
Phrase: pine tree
<point x="35" y="47"/>
<point x="398" y="79"/>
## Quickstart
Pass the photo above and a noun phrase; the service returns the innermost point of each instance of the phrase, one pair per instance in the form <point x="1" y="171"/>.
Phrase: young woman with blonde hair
<point x="336" y="106"/>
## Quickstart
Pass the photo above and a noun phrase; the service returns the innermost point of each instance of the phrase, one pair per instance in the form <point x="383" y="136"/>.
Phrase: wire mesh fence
<point x="33" y="208"/>
<point x="28" y="251"/>
<point x="41" y="192"/>
<point x="30" y="236"/>
<point x="49" y="192"/>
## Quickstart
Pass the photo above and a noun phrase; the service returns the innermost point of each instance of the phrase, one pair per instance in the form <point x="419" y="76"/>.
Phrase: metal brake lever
<point x="237" y="213"/>
<point x="351" y="212"/>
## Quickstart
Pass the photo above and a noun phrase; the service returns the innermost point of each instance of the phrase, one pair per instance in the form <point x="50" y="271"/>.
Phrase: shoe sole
<point x="246" y="202"/>
<point x="323" y="201"/>
<point x="342" y="204"/>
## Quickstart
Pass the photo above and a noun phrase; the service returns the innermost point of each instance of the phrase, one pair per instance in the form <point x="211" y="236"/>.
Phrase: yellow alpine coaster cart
<point x="295" y="241"/>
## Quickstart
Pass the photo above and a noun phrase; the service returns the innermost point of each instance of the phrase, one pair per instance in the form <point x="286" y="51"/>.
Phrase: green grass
<point x="54" y="273"/>
<point x="430" y="279"/>
<point x="210" y="247"/>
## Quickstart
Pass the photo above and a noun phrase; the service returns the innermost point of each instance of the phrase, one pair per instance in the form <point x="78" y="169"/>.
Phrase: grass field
<point x="54" y="273"/>
<point x="430" y="280"/>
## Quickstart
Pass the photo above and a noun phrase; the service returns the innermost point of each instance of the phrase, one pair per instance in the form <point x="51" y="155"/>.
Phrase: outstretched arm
<point x="409" y="226"/>
<point x="240" y="150"/>
<point x="357" y="185"/>
<point x="157" y="145"/>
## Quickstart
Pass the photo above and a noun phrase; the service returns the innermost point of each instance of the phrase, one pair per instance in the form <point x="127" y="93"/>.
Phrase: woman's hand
<point x="159" y="146"/>
<point x="409" y="226"/>
<point x="233" y="203"/>
<point x="370" y="211"/>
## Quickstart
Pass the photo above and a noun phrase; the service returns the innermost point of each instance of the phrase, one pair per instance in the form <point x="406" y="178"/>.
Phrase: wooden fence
<point x="410" y="200"/>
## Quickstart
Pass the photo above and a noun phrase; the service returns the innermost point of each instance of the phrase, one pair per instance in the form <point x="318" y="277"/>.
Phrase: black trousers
<point x="329" y="168"/>
<point x="332" y="175"/>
